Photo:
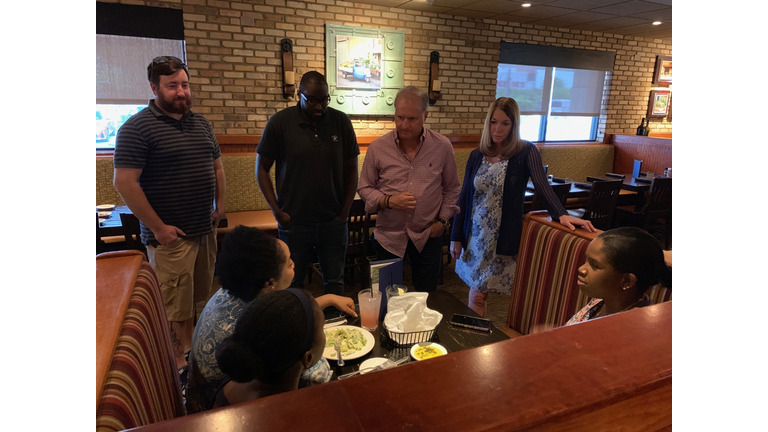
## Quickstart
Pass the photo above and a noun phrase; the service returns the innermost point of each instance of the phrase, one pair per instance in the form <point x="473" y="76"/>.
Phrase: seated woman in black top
<point x="278" y="337"/>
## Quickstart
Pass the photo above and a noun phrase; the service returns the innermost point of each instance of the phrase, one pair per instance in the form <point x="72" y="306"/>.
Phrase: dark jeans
<point x="425" y="265"/>
<point x="329" y="241"/>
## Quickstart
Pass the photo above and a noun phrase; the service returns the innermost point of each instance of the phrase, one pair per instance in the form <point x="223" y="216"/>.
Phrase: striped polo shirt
<point x="176" y="158"/>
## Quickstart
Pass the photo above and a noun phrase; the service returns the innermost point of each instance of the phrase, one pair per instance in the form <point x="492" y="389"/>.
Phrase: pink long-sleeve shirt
<point x="431" y="177"/>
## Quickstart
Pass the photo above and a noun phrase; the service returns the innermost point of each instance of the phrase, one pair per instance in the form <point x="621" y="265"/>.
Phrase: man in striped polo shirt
<point x="168" y="170"/>
<point x="409" y="177"/>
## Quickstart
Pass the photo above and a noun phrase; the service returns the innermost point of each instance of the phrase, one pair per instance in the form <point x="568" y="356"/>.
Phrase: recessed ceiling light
<point x="656" y="22"/>
<point x="526" y="5"/>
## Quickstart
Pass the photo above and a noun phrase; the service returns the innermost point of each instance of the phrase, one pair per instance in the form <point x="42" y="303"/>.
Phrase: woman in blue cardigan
<point x="486" y="232"/>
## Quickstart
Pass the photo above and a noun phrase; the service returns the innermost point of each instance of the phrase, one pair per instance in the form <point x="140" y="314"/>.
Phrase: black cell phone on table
<point x="474" y="323"/>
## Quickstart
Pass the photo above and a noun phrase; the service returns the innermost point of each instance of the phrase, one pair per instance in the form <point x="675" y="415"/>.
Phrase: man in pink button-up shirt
<point x="409" y="178"/>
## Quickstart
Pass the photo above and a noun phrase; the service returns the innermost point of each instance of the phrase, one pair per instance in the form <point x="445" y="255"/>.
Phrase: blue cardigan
<point x="525" y="164"/>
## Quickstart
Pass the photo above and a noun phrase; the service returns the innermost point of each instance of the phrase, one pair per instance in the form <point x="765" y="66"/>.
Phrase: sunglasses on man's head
<point x="161" y="60"/>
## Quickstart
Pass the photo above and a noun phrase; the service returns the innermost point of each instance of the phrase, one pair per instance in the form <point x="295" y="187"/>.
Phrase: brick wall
<point x="234" y="59"/>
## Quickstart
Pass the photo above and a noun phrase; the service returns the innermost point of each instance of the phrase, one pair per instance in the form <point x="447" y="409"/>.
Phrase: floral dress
<point x="479" y="266"/>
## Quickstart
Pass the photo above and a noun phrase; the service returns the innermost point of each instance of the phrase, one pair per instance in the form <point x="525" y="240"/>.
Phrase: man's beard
<point x="175" y="106"/>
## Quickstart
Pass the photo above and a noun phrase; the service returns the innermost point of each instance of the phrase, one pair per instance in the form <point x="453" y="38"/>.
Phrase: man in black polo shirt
<point x="315" y="151"/>
<point x="168" y="171"/>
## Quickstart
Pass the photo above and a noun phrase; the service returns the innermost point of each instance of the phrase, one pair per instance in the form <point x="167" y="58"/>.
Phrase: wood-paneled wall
<point x="656" y="153"/>
<point x="248" y="143"/>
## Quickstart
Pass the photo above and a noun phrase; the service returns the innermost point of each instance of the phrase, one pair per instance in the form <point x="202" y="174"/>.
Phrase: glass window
<point x="122" y="87"/>
<point x="556" y="104"/>
<point x="530" y="127"/>
<point x="109" y="119"/>
<point x="525" y="84"/>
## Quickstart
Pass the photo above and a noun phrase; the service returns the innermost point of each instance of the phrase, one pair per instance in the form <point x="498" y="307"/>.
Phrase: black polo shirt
<point x="309" y="162"/>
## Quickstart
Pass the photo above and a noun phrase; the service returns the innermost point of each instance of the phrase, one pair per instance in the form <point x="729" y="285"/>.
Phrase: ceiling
<point x="623" y="17"/>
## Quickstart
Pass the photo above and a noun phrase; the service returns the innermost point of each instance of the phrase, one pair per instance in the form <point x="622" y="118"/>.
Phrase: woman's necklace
<point x="601" y="312"/>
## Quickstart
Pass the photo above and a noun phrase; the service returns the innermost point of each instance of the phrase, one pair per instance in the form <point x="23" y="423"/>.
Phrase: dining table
<point x="577" y="190"/>
<point x="642" y="183"/>
<point x="109" y="221"/>
<point x="451" y="337"/>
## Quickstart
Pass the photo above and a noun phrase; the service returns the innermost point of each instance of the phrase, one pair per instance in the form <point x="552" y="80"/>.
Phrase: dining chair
<point x="132" y="232"/>
<point x="561" y="192"/>
<point x="99" y="244"/>
<point x="655" y="216"/>
<point x="601" y="204"/>
<point x="357" y="247"/>
<point x="358" y="224"/>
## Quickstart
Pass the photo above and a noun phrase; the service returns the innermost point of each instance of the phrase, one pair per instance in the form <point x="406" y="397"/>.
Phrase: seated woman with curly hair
<point x="250" y="262"/>
<point x="278" y="337"/>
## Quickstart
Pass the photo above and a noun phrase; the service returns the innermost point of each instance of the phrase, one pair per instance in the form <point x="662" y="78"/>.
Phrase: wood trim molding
<point x="246" y="144"/>
<point x="639" y="140"/>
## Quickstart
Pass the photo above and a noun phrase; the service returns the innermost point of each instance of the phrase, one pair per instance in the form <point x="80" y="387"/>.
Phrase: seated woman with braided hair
<point x="251" y="262"/>
<point x="621" y="265"/>
<point x="278" y="337"/>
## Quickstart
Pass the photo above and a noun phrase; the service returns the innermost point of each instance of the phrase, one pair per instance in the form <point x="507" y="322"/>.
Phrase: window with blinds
<point x="128" y="37"/>
<point x="560" y="91"/>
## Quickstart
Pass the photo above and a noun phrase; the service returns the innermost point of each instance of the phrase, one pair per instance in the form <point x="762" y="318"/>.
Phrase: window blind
<point x="128" y="38"/>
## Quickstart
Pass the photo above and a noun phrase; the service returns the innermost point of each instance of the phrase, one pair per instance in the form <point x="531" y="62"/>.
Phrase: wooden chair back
<point x="602" y="203"/>
<point x="132" y="231"/>
<point x="659" y="204"/>
<point x="561" y="192"/>
<point x="357" y="247"/>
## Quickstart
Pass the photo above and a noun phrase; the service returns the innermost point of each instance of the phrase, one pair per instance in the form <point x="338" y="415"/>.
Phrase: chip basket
<point x="397" y="339"/>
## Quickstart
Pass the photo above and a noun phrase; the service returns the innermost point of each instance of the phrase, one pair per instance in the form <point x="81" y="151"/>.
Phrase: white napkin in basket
<point x="409" y="313"/>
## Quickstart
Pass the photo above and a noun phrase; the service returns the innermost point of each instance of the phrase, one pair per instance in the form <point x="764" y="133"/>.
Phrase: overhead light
<point x="656" y="22"/>
<point x="526" y="5"/>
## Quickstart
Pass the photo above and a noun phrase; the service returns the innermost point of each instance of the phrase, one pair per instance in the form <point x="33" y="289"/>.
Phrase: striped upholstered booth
<point x="136" y="378"/>
<point x="545" y="290"/>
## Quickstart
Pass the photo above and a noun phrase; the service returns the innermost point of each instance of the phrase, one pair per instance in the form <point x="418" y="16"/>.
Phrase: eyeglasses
<point x="313" y="101"/>
<point x="161" y="60"/>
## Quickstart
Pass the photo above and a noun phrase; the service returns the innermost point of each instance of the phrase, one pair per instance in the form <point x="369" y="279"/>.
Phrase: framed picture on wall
<point x="662" y="74"/>
<point x="659" y="103"/>
<point x="364" y="68"/>
<point x="669" y="110"/>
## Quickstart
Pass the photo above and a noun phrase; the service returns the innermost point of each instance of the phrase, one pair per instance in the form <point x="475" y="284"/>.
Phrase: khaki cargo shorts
<point x="185" y="270"/>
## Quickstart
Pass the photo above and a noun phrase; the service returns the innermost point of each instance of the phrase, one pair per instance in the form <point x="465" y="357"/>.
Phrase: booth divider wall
<point x="136" y="378"/>
<point x="544" y="291"/>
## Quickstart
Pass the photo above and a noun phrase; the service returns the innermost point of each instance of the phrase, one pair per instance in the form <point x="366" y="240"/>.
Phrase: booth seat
<point x="544" y="291"/>
<point x="136" y="378"/>
<point x="246" y="205"/>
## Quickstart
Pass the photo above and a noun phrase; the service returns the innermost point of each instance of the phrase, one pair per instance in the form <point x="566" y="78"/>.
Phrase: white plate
<point x="438" y="347"/>
<point x="330" y="353"/>
<point x="370" y="364"/>
<point x="102" y="207"/>
<point x="104" y="214"/>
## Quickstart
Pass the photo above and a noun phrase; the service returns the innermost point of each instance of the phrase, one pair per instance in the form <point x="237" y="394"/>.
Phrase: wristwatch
<point x="446" y="223"/>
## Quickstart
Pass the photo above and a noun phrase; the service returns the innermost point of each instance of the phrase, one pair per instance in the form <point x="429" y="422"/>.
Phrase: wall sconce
<point x="434" y="80"/>
<point x="289" y="79"/>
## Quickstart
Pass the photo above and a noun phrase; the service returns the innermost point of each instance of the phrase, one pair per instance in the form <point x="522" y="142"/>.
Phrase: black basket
<point x="396" y="339"/>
